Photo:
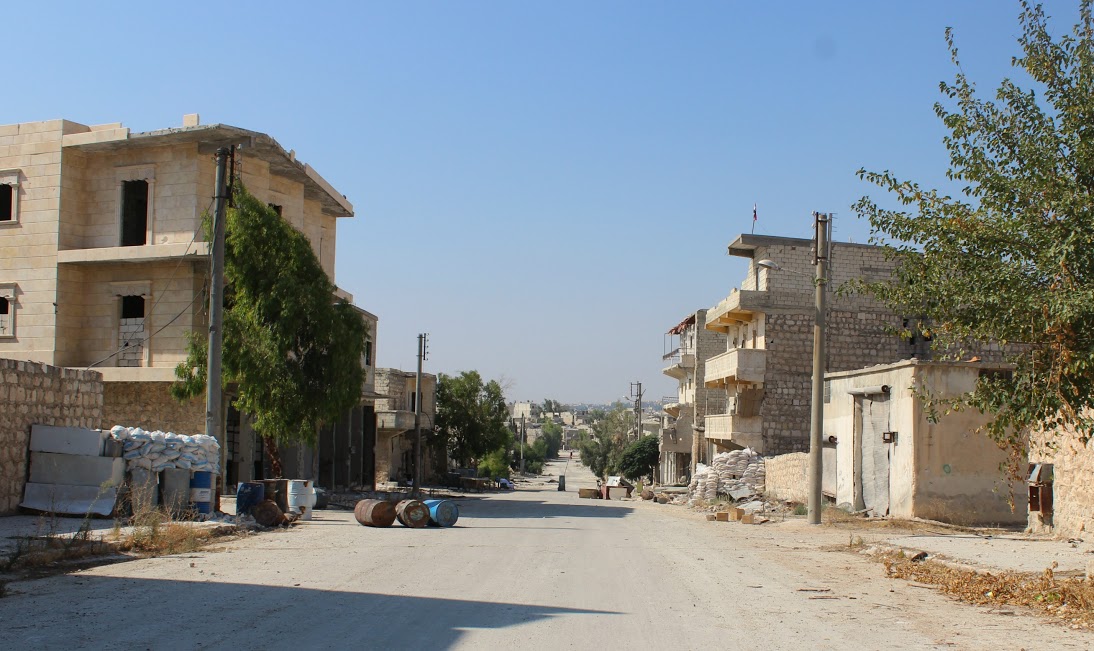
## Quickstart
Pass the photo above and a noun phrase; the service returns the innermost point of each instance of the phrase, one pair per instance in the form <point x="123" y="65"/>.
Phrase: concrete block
<point x="69" y="500"/>
<point x="67" y="440"/>
<point x="76" y="470"/>
<point x="722" y="516"/>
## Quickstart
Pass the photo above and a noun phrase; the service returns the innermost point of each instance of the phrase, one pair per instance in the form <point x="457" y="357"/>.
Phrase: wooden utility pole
<point x="214" y="384"/>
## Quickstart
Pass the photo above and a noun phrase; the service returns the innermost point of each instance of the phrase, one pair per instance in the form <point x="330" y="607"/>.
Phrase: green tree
<point x="640" y="458"/>
<point x="292" y="349"/>
<point x="471" y="416"/>
<point x="552" y="439"/>
<point x="602" y="450"/>
<point x="1011" y="259"/>
<point x="495" y="465"/>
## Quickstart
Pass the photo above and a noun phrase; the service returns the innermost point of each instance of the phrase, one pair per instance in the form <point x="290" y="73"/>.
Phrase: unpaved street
<point x="534" y="569"/>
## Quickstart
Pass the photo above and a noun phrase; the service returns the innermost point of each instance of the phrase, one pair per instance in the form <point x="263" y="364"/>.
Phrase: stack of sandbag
<point x="158" y="451"/>
<point x="729" y="471"/>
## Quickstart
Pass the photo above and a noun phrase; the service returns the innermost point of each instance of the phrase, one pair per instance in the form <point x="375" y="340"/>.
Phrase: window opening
<point x="7" y="202"/>
<point x="134" y="213"/>
<point x="5" y="316"/>
<point x="131" y="332"/>
<point x="276" y="208"/>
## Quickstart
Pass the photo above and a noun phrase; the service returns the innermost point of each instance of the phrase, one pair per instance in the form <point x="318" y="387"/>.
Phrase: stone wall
<point x="788" y="477"/>
<point x="33" y="393"/>
<point x="149" y="405"/>
<point x="1073" y="488"/>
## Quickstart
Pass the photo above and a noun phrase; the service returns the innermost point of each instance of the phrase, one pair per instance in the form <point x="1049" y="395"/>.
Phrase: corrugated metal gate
<point x="874" y="479"/>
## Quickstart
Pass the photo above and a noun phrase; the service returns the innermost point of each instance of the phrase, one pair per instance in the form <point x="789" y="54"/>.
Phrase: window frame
<point x="146" y="173"/>
<point x="11" y="178"/>
<point x="8" y="291"/>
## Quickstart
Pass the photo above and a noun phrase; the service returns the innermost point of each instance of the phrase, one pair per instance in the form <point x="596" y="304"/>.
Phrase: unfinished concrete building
<point x="766" y="367"/>
<point x="395" y="433"/>
<point x="682" y="444"/>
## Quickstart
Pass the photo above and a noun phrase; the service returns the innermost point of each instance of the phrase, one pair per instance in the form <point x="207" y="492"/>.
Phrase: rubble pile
<point x="158" y="451"/>
<point x="728" y="472"/>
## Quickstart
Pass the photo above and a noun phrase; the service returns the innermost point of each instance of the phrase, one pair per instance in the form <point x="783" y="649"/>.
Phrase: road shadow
<point x="503" y="508"/>
<point x="130" y="613"/>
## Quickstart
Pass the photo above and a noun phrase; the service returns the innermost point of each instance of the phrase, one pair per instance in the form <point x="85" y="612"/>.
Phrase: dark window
<point x="276" y="208"/>
<point x="7" y="203"/>
<point x="132" y="307"/>
<point x="413" y="397"/>
<point x="368" y="353"/>
<point x="134" y="213"/>
<point x="5" y="308"/>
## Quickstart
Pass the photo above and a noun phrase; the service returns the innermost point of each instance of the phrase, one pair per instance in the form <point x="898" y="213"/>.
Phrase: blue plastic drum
<point x="442" y="513"/>
<point x="201" y="491"/>
<point x="248" y="496"/>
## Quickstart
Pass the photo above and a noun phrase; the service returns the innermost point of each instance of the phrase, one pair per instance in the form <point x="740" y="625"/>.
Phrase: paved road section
<point x="531" y="569"/>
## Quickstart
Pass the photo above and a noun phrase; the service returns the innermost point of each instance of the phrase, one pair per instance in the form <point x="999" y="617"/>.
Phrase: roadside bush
<point x="495" y="464"/>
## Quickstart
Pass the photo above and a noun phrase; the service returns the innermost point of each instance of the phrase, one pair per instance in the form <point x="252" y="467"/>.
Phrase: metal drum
<point x="442" y="513"/>
<point x="412" y="513"/>
<point x="374" y="513"/>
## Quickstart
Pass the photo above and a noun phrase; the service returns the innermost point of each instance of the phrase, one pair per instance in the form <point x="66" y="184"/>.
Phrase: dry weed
<point x="1068" y="599"/>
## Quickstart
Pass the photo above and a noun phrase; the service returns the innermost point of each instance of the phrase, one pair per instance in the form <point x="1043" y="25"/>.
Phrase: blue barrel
<point x="442" y="513"/>
<point x="248" y="496"/>
<point x="201" y="491"/>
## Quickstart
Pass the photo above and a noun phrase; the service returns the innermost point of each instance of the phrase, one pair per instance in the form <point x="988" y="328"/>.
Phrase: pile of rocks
<point x="158" y="451"/>
<point x="728" y="472"/>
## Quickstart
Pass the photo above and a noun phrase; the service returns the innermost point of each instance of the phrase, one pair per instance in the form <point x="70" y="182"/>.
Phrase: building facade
<point x="766" y="367"/>
<point x="683" y="443"/>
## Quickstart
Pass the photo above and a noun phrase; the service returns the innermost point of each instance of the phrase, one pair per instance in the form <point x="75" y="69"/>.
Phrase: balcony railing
<point x="680" y="366"/>
<point x="738" y="366"/>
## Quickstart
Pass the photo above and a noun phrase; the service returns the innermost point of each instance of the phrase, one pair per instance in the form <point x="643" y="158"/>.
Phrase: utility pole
<point x="418" y="418"/>
<point x="637" y="395"/>
<point x="523" y="438"/>
<point x="821" y="225"/>
<point x="214" y="384"/>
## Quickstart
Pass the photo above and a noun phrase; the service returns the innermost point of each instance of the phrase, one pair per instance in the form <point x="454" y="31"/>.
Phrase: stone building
<point x="766" y="367"/>
<point x="105" y="261"/>
<point x="395" y="433"/>
<point x="683" y="445"/>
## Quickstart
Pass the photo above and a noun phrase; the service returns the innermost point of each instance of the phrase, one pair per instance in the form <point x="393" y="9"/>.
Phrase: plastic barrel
<point x="301" y="497"/>
<point x="201" y="491"/>
<point x="412" y="513"/>
<point x="374" y="513"/>
<point x="248" y="496"/>
<point x="442" y="513"/>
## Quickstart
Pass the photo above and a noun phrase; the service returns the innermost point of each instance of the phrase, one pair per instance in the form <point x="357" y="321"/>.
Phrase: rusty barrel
<point x="374" y="513"/>
<point x="442" y="513"/>
<point x="412" y="513"/>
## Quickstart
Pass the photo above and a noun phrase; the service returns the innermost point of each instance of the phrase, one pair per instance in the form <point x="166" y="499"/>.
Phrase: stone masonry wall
<point x="1073" y="487"/>
<point x="787" y="477"/>
<point x="149" y="405"/>
<point x="33" y="393"/>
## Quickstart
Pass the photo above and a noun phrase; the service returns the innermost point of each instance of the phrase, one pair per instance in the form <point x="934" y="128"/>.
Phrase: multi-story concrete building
<point x="103" y="262"/>
<point x="395" y="432"/>
<point x="766" y="367"/>
<point x="683" y="445"/>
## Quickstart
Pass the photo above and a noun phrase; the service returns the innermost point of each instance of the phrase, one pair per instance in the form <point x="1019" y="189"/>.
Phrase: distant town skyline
<point x="545" y="188"/>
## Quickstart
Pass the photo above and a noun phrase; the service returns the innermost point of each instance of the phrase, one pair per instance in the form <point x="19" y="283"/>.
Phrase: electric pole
<point x="523" y="438"/>
<point x="821" y="224"/>
<point x="418" y="418"/>
<point x="636" y="393"/>
<point x="213" y="386"/>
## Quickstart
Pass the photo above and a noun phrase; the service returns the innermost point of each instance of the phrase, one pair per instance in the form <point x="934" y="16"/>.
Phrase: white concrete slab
<point x="67" y="440"/>
<point x="73" y="500"/>
<point x="76" y="470"/>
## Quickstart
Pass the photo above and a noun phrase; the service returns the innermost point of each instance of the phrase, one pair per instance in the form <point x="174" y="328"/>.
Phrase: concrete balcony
<point x="738" y="366"/>
<point x="133" y="254"/>
<point x="741" y="430"/>
<point x="680" y="365"/>
<point x="400" y="421"/>
<point x="672" y="409"/>
<point x="737" y="308"/>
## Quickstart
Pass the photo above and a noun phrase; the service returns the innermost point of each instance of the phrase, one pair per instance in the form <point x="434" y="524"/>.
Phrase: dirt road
<point x="532" y="569"/>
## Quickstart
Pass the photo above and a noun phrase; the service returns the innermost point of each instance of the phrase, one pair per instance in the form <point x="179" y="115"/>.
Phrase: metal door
<point x="874" y="481"/>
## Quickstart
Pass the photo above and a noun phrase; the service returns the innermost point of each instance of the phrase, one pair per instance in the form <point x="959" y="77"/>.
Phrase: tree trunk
<point x="274" y="455"/>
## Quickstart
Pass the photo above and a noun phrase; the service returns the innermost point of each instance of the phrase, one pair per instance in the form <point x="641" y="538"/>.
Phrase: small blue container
<point x="248" y="496"/>
<point x="201" y="491"/>
<point x="442" y="513"/>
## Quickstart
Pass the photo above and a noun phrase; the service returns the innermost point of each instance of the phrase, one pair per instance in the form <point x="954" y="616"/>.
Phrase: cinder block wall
<point x="787" y="477"/>
<point x="33" y="393"/>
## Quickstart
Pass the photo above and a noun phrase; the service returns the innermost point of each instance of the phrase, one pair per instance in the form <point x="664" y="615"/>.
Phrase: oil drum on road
<point x="412" y="513"/>
<point x="375" y="513"/>
<point x="442" y="513"/>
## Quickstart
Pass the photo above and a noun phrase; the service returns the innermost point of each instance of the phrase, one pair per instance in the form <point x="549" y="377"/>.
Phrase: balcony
<point x="132" y="254"/>
<point x="741" y="430"/>
<point x="680" y="364"/>
<point x="400" y="421"/>
<point x="738" y="366"/>
<point x="672" y="409"/>
<point x="737" y="308"/>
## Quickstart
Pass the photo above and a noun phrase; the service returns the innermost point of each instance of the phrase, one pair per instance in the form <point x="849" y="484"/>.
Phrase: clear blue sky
<point x="544" y="187"/>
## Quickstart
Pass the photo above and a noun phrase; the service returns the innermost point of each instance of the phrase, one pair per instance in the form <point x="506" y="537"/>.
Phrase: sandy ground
<point x="531" y="569"/>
